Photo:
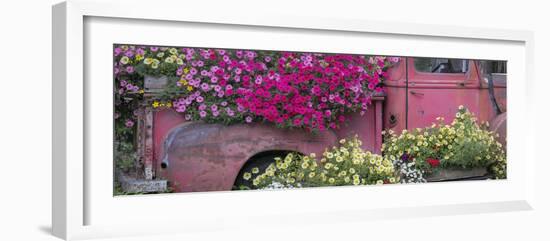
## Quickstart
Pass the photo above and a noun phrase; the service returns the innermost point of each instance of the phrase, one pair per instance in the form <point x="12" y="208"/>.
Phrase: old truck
<point x="194" y="156"/>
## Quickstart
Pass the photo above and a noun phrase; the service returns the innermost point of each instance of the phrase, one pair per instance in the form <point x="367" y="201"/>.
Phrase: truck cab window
<point x="499" y="67"/>
<point x="440" y="65"/>
<point x="495" y="69"/>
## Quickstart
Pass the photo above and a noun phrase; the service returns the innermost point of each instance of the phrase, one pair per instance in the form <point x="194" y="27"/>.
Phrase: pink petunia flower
<point x="202" y="113"/>
<point x="129" y="123"/>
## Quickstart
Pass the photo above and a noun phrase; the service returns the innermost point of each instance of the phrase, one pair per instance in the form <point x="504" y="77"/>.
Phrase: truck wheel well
<point x="273" y="153"/>
<point x="260" y="160"/>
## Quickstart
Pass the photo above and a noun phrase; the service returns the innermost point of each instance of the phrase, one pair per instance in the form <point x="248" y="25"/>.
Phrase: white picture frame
<point x="81" y="205"/>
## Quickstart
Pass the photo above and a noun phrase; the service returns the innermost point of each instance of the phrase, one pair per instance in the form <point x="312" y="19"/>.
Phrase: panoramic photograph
<point x="197" y="119"/>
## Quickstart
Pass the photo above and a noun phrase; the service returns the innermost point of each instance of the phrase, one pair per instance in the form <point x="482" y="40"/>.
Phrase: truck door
<point x="437" y="86"/>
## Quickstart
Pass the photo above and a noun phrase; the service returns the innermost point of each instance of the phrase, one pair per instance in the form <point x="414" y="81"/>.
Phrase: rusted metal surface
<point x="196" y="156"/>
<point x="207" y="157"/>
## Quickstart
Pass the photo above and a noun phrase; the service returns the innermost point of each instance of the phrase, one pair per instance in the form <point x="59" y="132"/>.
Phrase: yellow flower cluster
<point x="183" y="81"/>
<point x="154" y="63"/>
<point x="347" y="164"/>
<point x="159" y="104"/>
<point x="464" y="143"/>
<point x="169" y="56"/>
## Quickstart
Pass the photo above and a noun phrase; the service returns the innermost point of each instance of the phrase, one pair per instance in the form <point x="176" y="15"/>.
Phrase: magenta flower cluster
<point x="305" y="90"/>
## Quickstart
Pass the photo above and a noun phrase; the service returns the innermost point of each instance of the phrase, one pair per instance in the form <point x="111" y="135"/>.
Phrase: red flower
<point x="433" y="162"/>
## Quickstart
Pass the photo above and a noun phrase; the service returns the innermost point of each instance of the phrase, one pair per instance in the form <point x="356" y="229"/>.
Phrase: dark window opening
<point x="497" y="67"/>
<point x="439" y="65"/>
<point x="494" y="69"/>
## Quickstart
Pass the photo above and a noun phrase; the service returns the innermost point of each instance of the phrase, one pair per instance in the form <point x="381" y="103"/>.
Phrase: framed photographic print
<point x="206" y="117"/>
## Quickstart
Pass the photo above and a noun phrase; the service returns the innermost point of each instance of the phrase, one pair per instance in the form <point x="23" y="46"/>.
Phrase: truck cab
<point x="421" y="89"/>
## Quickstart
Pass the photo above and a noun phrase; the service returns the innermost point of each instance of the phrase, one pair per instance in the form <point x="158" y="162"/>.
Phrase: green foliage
<point x="498" y="169"/>
<point x="125" y="156"/>
<point x="462" y="144"/>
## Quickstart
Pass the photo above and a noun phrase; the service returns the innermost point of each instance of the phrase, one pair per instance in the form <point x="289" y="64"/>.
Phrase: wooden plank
<point x="148" y="144"/>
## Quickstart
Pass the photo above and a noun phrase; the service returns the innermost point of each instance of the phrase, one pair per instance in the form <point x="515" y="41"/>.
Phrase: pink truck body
<point x="195" y="156"/>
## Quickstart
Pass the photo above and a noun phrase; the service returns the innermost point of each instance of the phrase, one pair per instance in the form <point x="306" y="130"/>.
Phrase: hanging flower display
<point x="313" y="91"/>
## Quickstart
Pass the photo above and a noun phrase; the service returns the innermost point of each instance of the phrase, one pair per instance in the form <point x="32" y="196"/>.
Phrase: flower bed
<point x="464" y="144"/>
<point x="346" y="164"/>
<point x="303" y="90"/>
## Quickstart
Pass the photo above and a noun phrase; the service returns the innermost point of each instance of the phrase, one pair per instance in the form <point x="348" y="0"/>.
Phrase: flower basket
<point x="449" y="174"/>
<point x="154" y="83"/>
